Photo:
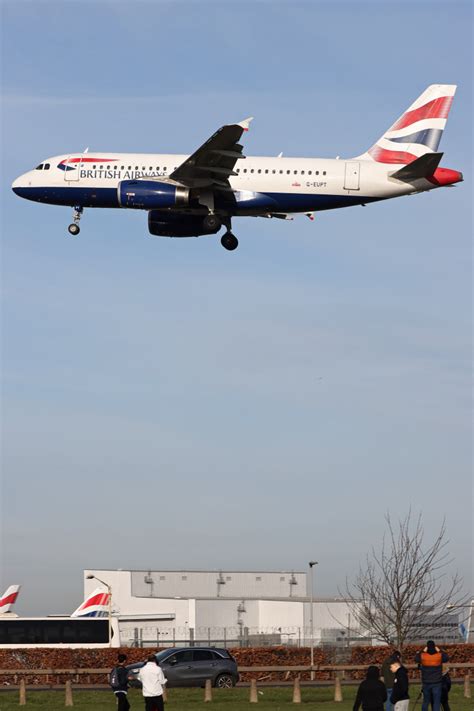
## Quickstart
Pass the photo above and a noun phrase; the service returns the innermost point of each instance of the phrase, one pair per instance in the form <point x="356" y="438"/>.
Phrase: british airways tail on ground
<point x="198" y="194"/>
<point x="97" y="604"/>
<point x="9" y="598"/>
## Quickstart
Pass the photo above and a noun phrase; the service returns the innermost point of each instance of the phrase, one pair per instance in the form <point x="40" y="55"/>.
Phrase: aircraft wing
<point x="213" y="163"/>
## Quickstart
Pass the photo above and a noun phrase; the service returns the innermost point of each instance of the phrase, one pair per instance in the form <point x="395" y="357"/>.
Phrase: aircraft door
<point x="72" y="167"/>
<point x="352" y="176"/>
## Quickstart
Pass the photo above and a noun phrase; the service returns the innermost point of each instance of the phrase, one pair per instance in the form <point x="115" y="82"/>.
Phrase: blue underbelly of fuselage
<point x="107" y="197"/>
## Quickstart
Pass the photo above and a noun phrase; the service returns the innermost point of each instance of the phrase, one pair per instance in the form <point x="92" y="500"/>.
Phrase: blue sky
<point x="168" y="404"/>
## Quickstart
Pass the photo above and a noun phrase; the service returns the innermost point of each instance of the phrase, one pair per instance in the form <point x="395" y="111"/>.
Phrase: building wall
<point x="230" y="584"/>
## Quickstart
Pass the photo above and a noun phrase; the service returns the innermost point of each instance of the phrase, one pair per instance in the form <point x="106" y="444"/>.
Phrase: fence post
<point x="297" y="691"/>
<point x="338" y="689"/>
<point x="69" y="701"/>
<point x="253" y="691"/>
<point x="22" y="692"/>
<point x="208" y="691"/>
<point x="467" y="686"/>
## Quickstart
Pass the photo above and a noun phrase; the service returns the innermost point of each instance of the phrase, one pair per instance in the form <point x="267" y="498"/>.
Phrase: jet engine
<point x="149" y="194"/>
<point x="171" y="224"/>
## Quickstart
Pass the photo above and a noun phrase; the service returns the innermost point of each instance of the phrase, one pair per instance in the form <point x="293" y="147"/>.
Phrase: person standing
<point x="399" y="696"/>
<point x="445" y="689"/>
<point x="371" y="694"/>
<point x="431" y="661"/>
<point x="388" y="677"/>
<point x="119" y="683"/>
<point x="153" y="681"/>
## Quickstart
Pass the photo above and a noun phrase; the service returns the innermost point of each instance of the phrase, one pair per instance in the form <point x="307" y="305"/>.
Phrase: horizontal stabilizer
<point x="422" y="167"/>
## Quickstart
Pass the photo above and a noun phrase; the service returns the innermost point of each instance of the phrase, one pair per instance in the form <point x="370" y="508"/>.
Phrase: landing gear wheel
<point x="229" y="241"/>
<point x="74" y="229"/>
<point x="212" y="223"/>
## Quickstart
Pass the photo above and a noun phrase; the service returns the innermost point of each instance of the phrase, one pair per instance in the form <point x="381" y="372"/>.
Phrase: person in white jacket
<point x="153" y="681"/>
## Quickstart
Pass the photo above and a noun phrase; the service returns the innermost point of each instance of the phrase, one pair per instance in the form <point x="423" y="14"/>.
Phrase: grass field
<point x="276" y="699"/>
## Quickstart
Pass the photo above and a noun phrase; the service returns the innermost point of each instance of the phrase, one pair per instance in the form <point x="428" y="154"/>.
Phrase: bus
<point x="34" y="632"/>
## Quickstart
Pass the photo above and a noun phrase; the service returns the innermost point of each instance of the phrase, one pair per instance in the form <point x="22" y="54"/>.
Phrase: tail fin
<point x="95" y="605"/>
<point x="418" y="130"/>
<point x="9" y="598"/>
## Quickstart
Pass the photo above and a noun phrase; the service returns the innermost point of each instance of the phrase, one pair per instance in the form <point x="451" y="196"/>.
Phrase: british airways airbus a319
<point x="187" y="196"/>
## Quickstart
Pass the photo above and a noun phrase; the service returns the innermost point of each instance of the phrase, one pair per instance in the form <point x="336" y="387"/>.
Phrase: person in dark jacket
<point x="371" y="694"/>
<point x="445" y="689"/>
<point x="399" y="697"/>
<point x="431" y="661"/>
<point x="388" y="676"/>
<point x="120" y="688"/>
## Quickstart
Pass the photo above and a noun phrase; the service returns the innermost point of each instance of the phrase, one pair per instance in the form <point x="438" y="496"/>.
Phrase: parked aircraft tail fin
<point x="95" y="605"/>
<point x="418" y="131"/>
<point x="8" y="599"/>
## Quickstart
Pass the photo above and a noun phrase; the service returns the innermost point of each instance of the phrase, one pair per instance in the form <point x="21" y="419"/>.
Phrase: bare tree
<point x="404" y="584"/>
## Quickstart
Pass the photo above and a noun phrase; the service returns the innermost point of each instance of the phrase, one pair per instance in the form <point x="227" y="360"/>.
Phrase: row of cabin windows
<point x="46" y="166"/>
<point x="288" y="172"/>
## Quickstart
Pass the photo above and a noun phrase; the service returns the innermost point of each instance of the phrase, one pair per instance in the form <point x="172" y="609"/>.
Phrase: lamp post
<point x="109" y="589"/>
<point x="311" y="564"/>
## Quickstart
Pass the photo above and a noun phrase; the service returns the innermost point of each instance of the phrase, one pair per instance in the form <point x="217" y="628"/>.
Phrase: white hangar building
<point x="223" y="607"/>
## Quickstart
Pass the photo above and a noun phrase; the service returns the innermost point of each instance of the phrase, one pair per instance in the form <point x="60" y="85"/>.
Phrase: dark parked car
<point x="191" y="666"/>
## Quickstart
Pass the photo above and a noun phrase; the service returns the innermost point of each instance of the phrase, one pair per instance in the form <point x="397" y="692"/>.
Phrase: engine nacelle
<point x="169" y="224"/>
<point x="150" y="194"/>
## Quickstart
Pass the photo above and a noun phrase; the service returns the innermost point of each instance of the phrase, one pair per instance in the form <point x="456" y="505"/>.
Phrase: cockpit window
<point x="46" y="166"/>
<point x="40" y="167"/>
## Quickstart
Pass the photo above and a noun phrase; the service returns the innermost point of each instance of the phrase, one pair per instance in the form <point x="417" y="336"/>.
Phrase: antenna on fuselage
<point x="86" y="150"/>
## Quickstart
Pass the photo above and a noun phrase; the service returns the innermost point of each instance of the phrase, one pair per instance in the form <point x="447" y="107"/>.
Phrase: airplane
<point x="95" y="605"/>
<point x="195" y="195"/>
<point x="8" y="599"/>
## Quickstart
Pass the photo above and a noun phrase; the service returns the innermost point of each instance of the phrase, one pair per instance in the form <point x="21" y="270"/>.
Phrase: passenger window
<point x="324" y="172"/>
<point x="164" y="167"/>
<point x="130" y="167"/>
<point x="309" y="172"/>
<point x="245" y="170"/>
<point x="288" y="172"/>
<point x="186" y="656"/>
<point x="316" y="172"/>
<point x="251" y="170"/>
<point x="201" y="655"/>
<point x="281" y="172"/>
<point x="273" y="171"/>
<point x="295" y="172"/>
<point x="259" y="170"/>
<point x="266" y="171"/>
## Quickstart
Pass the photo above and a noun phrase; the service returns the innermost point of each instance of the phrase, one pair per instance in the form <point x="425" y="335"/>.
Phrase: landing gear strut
<point x="74" y="228"/>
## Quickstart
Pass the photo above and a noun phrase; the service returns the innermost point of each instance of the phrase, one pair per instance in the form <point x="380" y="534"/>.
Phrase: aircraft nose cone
<point x="16" y="186"/>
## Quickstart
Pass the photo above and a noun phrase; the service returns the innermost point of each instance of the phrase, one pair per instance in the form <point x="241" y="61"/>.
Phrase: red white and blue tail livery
<point x="97" y="604"/>
<point x="198" y="194"/>
<point x="9" y="598"/>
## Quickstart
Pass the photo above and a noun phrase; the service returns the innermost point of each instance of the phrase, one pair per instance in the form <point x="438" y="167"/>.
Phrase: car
<point x="191" y="666"/>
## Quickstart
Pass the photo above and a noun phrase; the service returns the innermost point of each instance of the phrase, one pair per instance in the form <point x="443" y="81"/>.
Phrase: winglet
<point x="245" y="123"/>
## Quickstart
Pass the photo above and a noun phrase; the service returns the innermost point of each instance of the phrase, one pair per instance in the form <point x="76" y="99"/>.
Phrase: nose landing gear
<point x="74" y="228"/>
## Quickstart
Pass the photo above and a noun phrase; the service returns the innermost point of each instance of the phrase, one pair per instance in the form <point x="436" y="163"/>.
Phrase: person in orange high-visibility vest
<point x="430" y="661"/>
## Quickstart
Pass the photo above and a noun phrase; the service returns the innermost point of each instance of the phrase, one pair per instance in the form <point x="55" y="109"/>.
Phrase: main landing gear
<point x="228" y="240"/>
<point x="74" y="228"/>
